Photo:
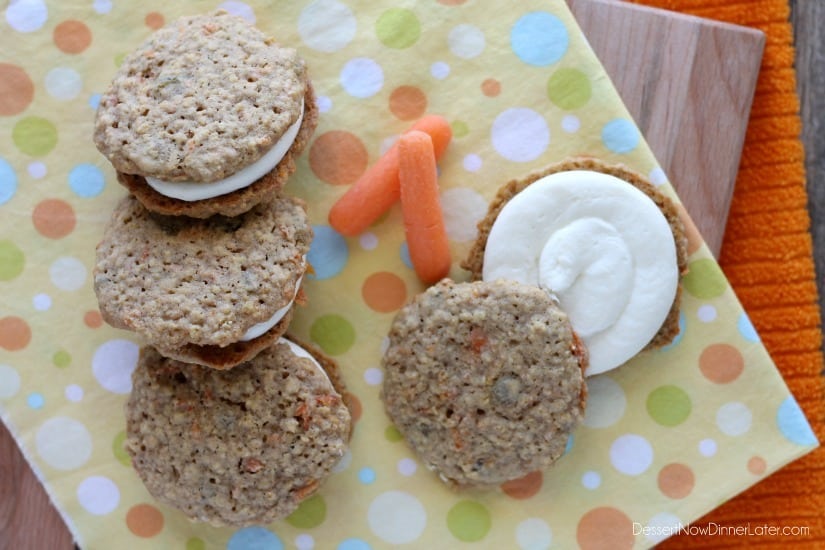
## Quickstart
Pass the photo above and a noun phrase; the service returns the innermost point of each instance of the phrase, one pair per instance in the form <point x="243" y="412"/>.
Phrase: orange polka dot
<point x="721" y="363"/>
<point x="691" y="232"/>
<point x="338" y="157"/>
<point x="154" y="20"/>
<point x="144" y="520"/>
<point x="15" y="333"/>
<point x="72" y="36"/>
<point x="523" y="487"/>
<point x="92" y="319"/>
<point x="354" y="406"/>
<point x="491" y="87"/>
<point x="676" y="480"/>
<point x="408" y="102"/>
<point x="16" y="89"/>
<point x="53" y="218"/>
<point x="605" y="527"/>
<point x="384" y="292"/>
<point x="757" y="465"/>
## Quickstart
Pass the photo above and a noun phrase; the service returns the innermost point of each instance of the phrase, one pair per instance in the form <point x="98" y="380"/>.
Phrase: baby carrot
<point x="378" y="188"/>
<point x="420" y="206"/>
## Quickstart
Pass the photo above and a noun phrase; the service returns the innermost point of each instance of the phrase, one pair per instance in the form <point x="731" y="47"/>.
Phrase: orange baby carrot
<point x="423" y="218"/>
<point x="378" y="188"/>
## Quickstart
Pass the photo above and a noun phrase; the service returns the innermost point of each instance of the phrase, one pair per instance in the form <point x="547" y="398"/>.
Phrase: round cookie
<point x="237" y="447"/>
<point x="199" y="101"/>
<point x="474" y="262"/>
<point x="484" y="380"/>
<point x="194" y="288"/>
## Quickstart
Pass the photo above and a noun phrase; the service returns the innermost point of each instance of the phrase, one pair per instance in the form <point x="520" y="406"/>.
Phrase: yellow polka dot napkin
<point x="666" y="438"/>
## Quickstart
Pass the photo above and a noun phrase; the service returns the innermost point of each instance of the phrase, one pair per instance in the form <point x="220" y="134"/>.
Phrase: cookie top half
<point x="199" y="100"/>
<point x="484" y="380"/>
<point x="237" y="447"/>
<point x="176" y="280"/>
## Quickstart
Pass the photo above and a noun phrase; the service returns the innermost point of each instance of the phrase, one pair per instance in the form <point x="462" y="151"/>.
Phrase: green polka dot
<point x="195" y="544"/>
<point x="460" y="128"/>
<point x="11" y="261"/>
<point x="333" y="333"/>
<point x="119" y="59"/>
<point x="392" y="434"/>
<point x="119" y="451"/>
<point x="311" y="513"/>
<point x="34" y="136"/>
<point x="705" y="279"/>
<point x="668" y="405"/>
<point x="468" y="521"/>
<point x="398" y="28"/>
<point x="569" y="88"/>
<point x="61" y="359"/>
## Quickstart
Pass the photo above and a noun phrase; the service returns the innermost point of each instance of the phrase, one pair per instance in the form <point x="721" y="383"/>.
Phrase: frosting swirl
<point x="602" y="247"/>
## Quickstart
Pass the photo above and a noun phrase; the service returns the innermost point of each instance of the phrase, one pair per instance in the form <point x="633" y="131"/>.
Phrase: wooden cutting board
<point x="688" y="82"/>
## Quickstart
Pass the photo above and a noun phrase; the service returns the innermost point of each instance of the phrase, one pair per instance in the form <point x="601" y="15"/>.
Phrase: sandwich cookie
<point x="607" y="243"/>
<point x="239" y="447"/>
<point x="206" y="117"/>
<point x="484" y="380"/>
<point x="212" y="291"/>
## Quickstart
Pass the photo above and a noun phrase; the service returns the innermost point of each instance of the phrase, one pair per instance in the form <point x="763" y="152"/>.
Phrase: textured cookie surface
<point x="200" y="99"/>
<point x="484" y="380"/>
<point x="236" y="202"/>
<point x="177" y="281"/>
<point x="236" y="447"/>
<point x="474" y="261"/>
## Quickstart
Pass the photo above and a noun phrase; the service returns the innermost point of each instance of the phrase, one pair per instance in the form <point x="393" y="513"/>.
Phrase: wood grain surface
<point x="808" y="18"/>
<point x="27" y="520"/>
<point x="689" y="83"/>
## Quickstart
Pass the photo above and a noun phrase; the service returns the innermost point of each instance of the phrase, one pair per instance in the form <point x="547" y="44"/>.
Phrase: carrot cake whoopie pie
<point x="604" y="240"/>
<point x="213" y="292"/>
<point x="206" y="117"/>
<point x="239" y="447"/>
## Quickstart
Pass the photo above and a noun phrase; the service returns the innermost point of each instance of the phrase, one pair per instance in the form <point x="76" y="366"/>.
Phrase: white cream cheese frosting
<point x="259" y="328"/>
<point x="298" y="351"/>
<point x="193" y="191"/>
<point x="602" y="247"/>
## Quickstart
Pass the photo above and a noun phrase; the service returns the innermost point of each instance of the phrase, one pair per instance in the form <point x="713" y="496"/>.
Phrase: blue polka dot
<point x="8" y="181"/>
<point x="539" y="38"/>
<point x="405" y="255"/>
<point x="254" y="538"/>
<point x="86" y="180"/>
<point x="792" y="423"/>
<point x="678" y="337"/>
<point x="746" y="328"/>
<point x="354" y="544"/>
<point x="328" y="253"/>
<point x="620" y="135"/>
<point x="36" y="400"/>
<point x="366" y="475"/>
<point x="362" y="77"/>
<point x="94" y="101"/>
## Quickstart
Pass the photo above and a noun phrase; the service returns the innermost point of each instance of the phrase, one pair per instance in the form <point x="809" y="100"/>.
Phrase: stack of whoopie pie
<point x="228" y="420"/>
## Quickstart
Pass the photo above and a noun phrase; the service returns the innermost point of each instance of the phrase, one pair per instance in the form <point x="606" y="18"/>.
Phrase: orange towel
<point x="767" y="256"/>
